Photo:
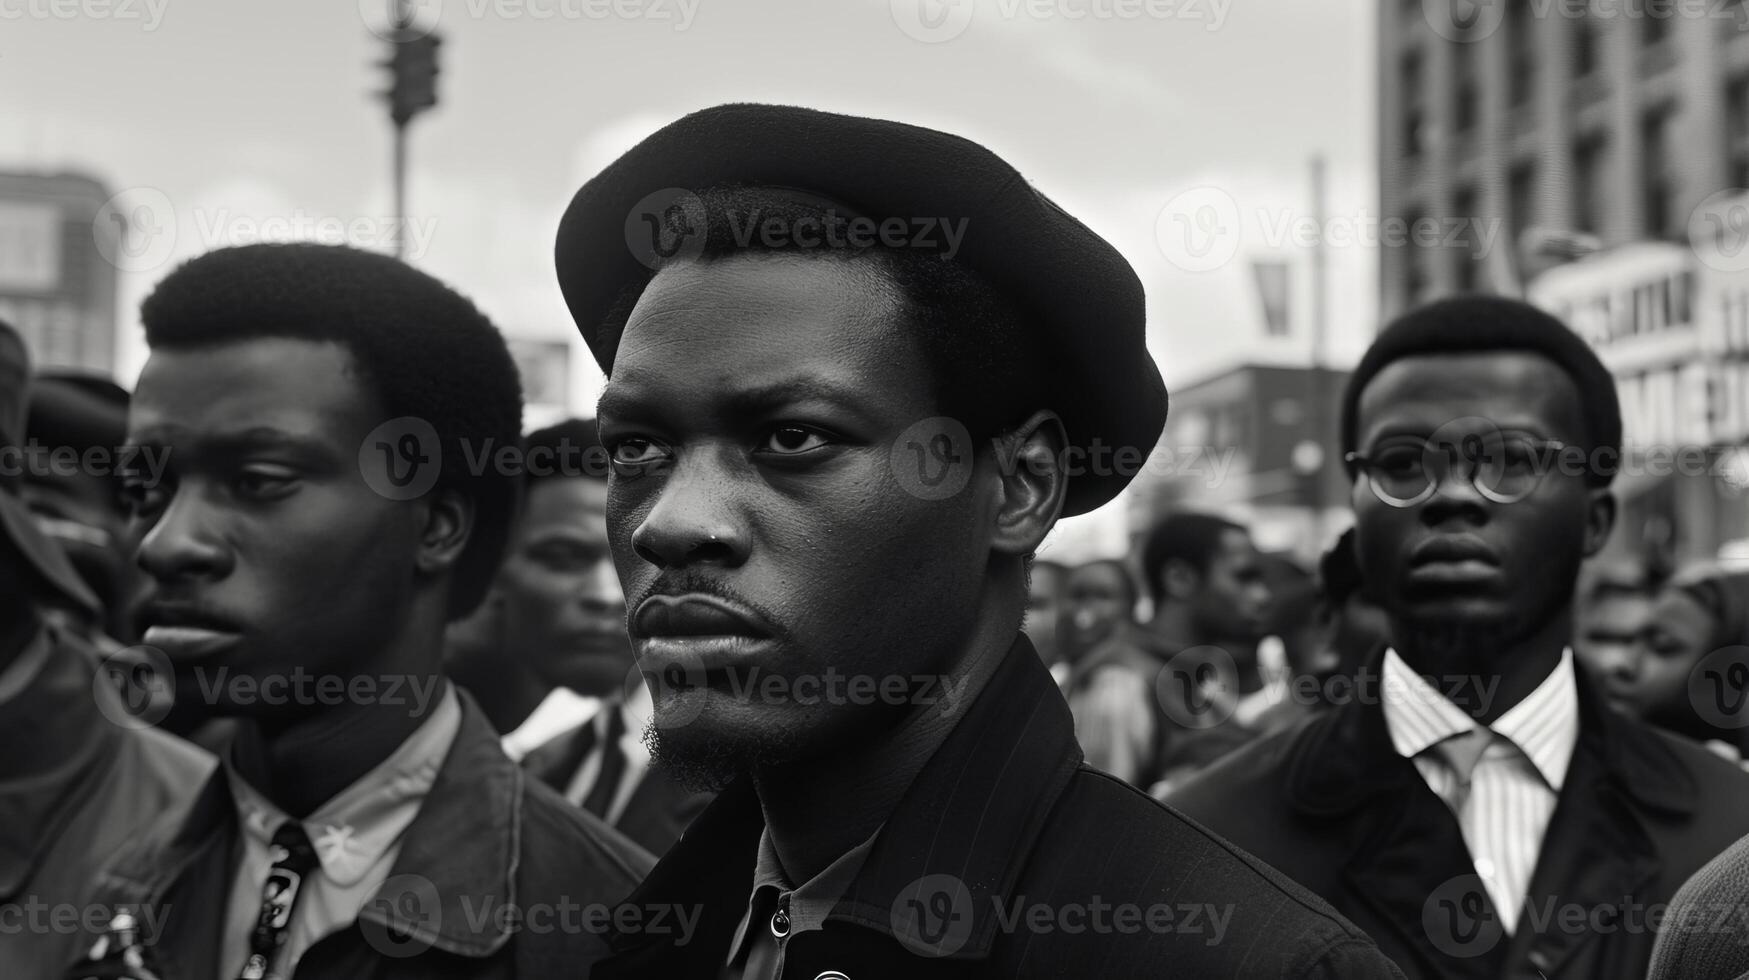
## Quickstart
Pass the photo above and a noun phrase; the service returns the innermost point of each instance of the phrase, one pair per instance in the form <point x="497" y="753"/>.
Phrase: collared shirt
<point x="357" y="835"/>
<point x="560" y="711"/>
<point x="636" y="711"/>
<point x="1516" y="783"/>
<point x="756" y="953"/>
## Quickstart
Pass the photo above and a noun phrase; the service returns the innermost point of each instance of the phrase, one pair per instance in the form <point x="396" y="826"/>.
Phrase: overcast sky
<point x="244" y="119"/>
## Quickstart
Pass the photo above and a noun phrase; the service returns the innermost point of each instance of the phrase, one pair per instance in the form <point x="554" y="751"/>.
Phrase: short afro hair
<point x="425" y="349"/>
<point x="1489" y="324"/>
<point x="990" y="372"/>
<point x="1189" y="537"/>
<point x="569" y="448"/>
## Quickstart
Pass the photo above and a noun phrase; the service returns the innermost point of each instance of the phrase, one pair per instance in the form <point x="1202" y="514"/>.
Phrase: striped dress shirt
<point x="1516" y="783"/>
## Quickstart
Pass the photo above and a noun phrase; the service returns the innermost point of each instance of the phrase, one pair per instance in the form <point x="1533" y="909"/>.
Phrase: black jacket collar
<point x="979" y="802"/>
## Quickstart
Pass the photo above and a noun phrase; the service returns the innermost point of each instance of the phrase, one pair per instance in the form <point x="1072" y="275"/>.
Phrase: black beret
<point x="1083" y="295"/>
<point x="1476" y="324"/>
<point x="78" y="410"/>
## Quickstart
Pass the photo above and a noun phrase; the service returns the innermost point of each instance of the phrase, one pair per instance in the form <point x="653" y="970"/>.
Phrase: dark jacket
<point x="659" y="809"/>
<point x="1008" y="858"/>
<point x="1334" y="806"/>
<point x="486" y="840"/>
<point x="79" y="777"/>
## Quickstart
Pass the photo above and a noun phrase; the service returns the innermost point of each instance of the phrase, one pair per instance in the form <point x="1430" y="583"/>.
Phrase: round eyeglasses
<point x="1504" y="468"/>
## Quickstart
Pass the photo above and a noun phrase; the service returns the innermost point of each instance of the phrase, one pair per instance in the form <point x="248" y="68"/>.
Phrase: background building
<point x="57" y="285"/>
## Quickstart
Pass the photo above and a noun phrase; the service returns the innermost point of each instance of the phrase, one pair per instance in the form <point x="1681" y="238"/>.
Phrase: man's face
<point x="771" y="544"/>
<point x="1459" y="571"/>
<point x="1098" y="600"/>
<point x="1235" y="597"/>
<point x="563" y="608"/>
<point x="1044" y="608"/>
<point x="1608" y="640"/>
<point x="1675" y="635"/>
<point x="266" y="549"/>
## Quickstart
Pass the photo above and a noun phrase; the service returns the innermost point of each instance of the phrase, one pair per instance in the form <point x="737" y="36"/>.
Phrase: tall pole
<point x="403" y="22"/>
<point x="1320" y="332"/>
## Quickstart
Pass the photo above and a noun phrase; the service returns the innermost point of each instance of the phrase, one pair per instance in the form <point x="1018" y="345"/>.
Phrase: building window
<point x="1521" y="56"/>
<point x="1737" y="131"/>
<point x="1658" y="183"/>
<point x="1521" y="201"/>
<point x="1465" y="94"/>
<point x="1413" y="116"/>
<point x="1654" y="24"/>
<point x="1587" y="47"/>
<point x="1589" y="159"/>
<point x="1416" y="281"/>
<point x="1464" y="206"/>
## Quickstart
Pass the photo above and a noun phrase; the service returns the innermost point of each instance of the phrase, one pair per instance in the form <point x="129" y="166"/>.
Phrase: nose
<point x="182" y="544"/>
<point x="691" y="521"/>
<point x="601" y="588"/>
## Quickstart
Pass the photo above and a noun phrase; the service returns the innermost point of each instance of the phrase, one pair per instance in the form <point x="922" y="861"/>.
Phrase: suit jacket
<point x="488" y="848"/>
<point x="79" y="778"/>
<point x="1007" y="857"/>
<point x="1334" y="806"/>
<point x="659" y="809"/>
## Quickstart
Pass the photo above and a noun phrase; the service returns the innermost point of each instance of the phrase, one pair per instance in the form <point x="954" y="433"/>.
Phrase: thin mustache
<point x="697" y="585"/>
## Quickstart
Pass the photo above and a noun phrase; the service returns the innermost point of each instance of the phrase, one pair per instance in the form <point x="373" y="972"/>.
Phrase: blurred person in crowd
<point x="1614" y="608"/>
<point x="82" y="420"/>
<point x="317" y="524"/>
<point x="566" y="616"/>
<point x="1702" y="620"/>
<point x="1110" y="686"/>
<point x="834" y="456"/>
<point x="1355" y="628"/>
<point x="1044" y="625"/>
<point x="1482" y="798"/>
<point x="80" y="774"/>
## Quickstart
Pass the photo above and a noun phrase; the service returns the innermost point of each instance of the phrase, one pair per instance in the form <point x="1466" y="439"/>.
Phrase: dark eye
<point x="1398" y="460"/>
<point x="790" y="440"/>
<point x="632" y="454"/>
<point x="262" y="483"/>
<point x="142" y="497"/>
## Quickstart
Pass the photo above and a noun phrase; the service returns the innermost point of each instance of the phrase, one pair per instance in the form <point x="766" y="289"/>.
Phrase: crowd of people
<point x="317" y="665"/>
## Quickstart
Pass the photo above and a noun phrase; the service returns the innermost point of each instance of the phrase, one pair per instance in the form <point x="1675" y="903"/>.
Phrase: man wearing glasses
<point x="1472" y="804"/>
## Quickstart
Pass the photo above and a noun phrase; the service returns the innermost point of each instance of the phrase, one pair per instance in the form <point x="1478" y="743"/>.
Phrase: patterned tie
<point x="293" y="859"/>
<point x="613" y="765"/>
<point x="1461" y="753"/>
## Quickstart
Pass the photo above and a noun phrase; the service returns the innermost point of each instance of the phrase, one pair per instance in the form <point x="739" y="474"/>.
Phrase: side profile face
<point x="1675" y="635"/>
<point x="1099" y="598"/>
<point x="1610" y="641"/>
<point x="764" y="542"/>
<point x="1233" y="601"/>
<point x="1045" y="601"/>
<point x="267" y="551"/>
<point x="563" y="610"/>
<point x="1459" y="570"/>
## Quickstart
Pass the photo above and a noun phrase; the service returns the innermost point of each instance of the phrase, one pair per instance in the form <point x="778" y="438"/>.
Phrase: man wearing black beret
<point x="1474" y="805"/>
<point x="856" y="371"/>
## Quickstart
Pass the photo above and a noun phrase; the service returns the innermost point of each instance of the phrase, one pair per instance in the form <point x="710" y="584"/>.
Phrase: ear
<point x="448" y="522"/>
<point x="1599" y="520"/>
<point x="1181" y="581"/>
<point x="1031" y="483"/>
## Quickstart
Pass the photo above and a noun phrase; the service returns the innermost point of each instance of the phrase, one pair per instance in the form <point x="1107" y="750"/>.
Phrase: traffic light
<point x="412" y="68"/>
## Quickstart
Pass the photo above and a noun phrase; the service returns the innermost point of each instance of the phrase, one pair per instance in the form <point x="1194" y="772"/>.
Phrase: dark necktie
<point x="293" y="860"/>
<point x="613" y="765"/>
